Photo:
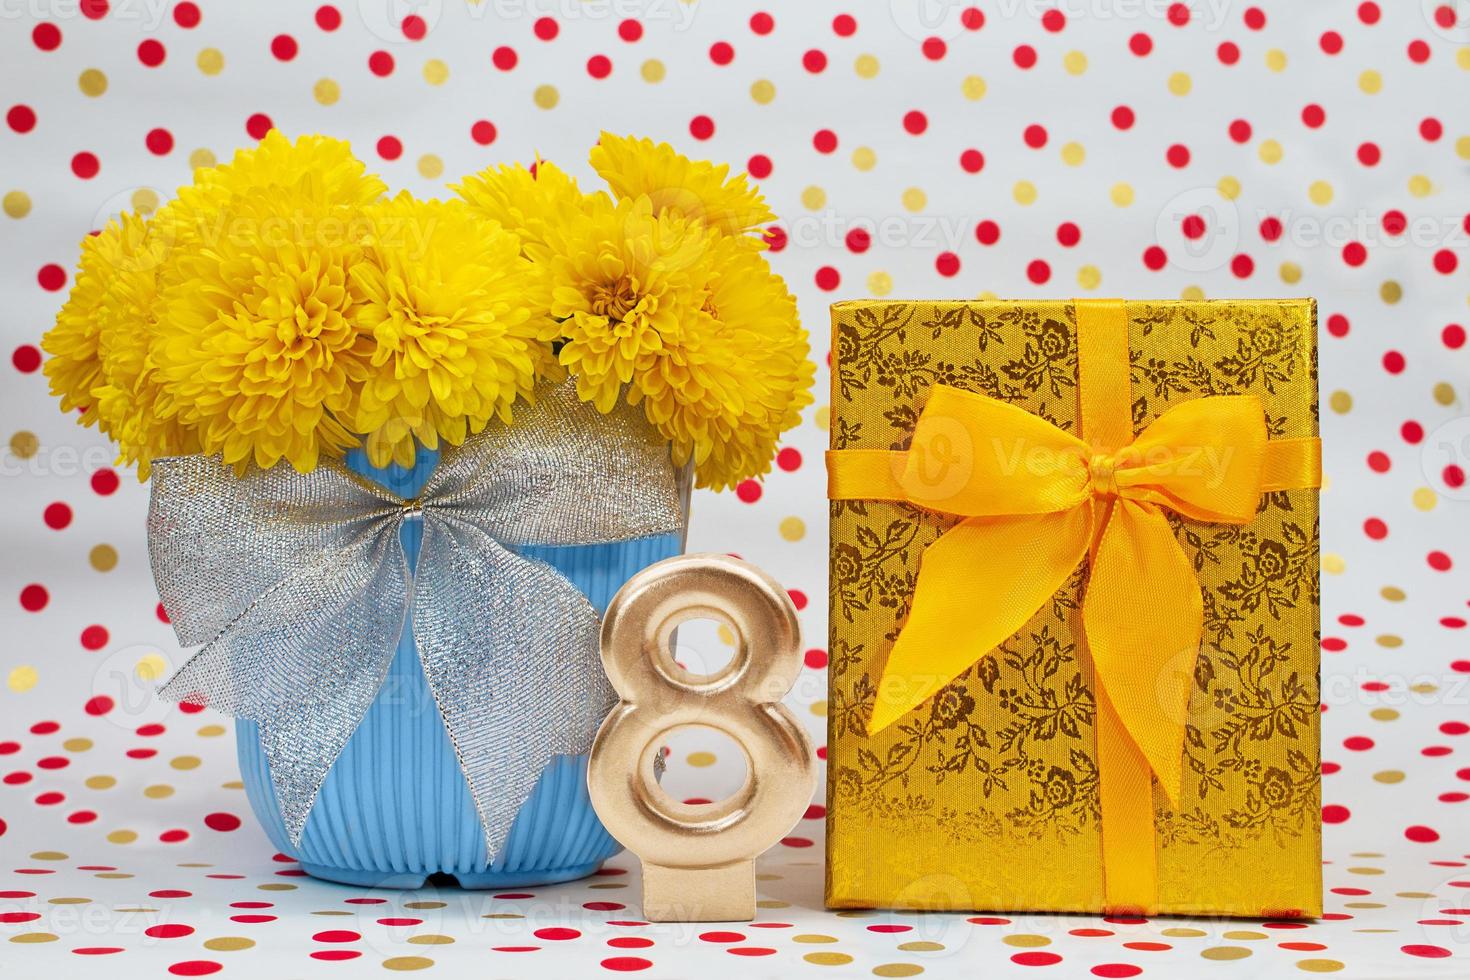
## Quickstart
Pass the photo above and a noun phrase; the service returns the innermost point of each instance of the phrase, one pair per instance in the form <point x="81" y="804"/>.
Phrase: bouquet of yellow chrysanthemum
<point x="282" y="307"/>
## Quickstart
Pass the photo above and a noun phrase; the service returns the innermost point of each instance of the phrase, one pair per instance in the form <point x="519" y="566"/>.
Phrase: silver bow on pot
<point x="297" y="587"/>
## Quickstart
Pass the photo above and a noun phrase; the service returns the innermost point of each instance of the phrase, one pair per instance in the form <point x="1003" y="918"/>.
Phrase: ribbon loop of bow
<point x="299" y="589"/>
<point x="1036" y="501"/>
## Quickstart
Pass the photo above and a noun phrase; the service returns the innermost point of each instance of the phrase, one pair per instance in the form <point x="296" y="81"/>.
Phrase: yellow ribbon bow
<point x="1036" y="501"/>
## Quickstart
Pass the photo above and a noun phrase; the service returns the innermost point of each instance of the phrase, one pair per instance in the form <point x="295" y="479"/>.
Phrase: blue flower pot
<point x="395" y="808"/>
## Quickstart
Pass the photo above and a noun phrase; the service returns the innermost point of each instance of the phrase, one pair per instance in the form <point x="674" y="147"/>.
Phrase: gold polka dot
<point x="17" y="204"/>
<point x="819" y="708"/>
<point x="210" y="61"/>
<point x="1225" y="953"/>
<point x="34" y="937"/>
<point x="771" y="903"/>
<point x="275" y="887"/>
<point x="1413" y="894"/>
<point x="1425" y="499"/>
<point x="813" y="198"/>
<point x="1389" y="641"/>
<point x="1462" y="58"/>
<point x="1390" y="292"/>
<point x="1340" y="402"/>
<point x="1388" y="777"/>
<point x="69" y="901"/>
<point x="211" y="731"/>
<point x="823" y="415"/>
<point x="1276" y="60"/>
<point x="114" y="876"/>
<point x="1270" y="152"/>
<point x="762" y="91"/>
<point x="158" y="792"/>
<point x="431" y="939"/>
<point x="150" y="667"/>
<point x="1121" y="195"/>
<point x="1073" y="154"/>
<point x="1089" y="277"/>
<point x="430" y="166"/>
<point x="1462" y="145"/>
<point x="407" y="963"/>
<point x="101" y="782"/>
<point x="49" y="856"/>
<point x="1393" y="593"/>
<point x="1180" y="83"/>
<point x="1183" y="932"/>
<point x="1383" y="714"/>
<point x="866" y="66"/>
<point x="545" y="97"/>
<point x="1365" y="871"/>
<point x="1291" y="273"/>
<point x="914" y="199"/>
<point x="828" y="959"/>
<point x="23" y="444"/>
<point x="92" y="82"/>
<point x="1320" y="192"/>
<point x="793" y="528"/>
<point x="1074" y="62"/>
<point x="880" y="283"/>
<point x="122" y="836"/>
<point x="1319" y="966"/>
<point x="1420" y="186"/>
<point x="202" y="158"/>
<point x="426" y="905"/>
<point x="921" y="947"/>
<point x="144" y="200"/>
<point x="77" y="744"/>
<point x="1192" y="294"/>
<point x="326" y="91"/>
<point x="1228" y="188"/>
<point x="1444" y="393"/>
<point x="973" y="88"/>
<point x="228" y="944"/>
<point x="1246" y="934"/>
<point x="1024" y="193"/>
<point x="653" y="72"/>
<point x="1026" y="940"/>
<point x="102" y="557"/>
<point x="22" y="678"/>
<point x="897" y="970"/>
<point x="436" y="72"/>
<point x="185" y="762"/>
<point x="1364" y="905"/>
<point x="1333" y="564"/>
<point x="1370" y="82"/>
<point x="700" y="760"/>
<point x="864" y="158"/>
<point x="726" y="635"/>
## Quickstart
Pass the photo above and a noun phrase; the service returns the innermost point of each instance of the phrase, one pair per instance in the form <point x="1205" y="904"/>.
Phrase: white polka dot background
<point x="1211" y="148"/>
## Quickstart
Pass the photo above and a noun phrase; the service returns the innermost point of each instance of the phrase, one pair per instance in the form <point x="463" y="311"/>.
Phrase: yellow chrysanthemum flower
<point x="448" y="299"/>
<point x="258" y="341"/>
<point x="726" y="387"/>
<point x="622" y="280"/>
<point x="528" y="202"/>
<point x="696" y="190"/>
<point x="99" y="346"/>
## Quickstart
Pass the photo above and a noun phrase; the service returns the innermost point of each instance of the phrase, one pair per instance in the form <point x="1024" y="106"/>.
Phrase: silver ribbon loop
<point x="298" y="589"/>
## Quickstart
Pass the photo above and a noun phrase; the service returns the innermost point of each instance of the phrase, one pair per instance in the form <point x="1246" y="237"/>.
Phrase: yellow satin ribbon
<point x="1036" y="500"/>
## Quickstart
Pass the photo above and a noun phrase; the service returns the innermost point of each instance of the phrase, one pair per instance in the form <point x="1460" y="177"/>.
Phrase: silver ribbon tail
<point x="297" y="587"/>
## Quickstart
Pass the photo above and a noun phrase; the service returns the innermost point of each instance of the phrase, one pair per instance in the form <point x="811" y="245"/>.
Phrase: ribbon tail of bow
<point x="305" y="660"/>
<point x="978" y="585"/>
<point x="482" y="616"/>
<point x="1143" y="614"/>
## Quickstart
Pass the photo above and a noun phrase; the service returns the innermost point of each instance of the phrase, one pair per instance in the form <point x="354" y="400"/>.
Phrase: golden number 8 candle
<point x="698" y="860"/>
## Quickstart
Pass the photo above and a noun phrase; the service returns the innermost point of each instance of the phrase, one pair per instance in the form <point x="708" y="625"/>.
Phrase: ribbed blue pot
<point x="395" y="808"/>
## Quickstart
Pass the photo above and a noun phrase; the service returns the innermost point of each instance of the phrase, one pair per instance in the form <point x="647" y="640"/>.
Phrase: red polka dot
<point x="1421" y="835"/>
<point x="1330" y="42"/>
<point x="151" y="53"/>
<point x="1255" y="18"/>
<point x="173" y="836"/>
<point x="160" y="142"/>
<point x="557" y="934"/>
<point x="630" y="30"/>
<point x="222" y="822"/>
<point x="195" y="968"/>
<point x="26" y="358"/>
<point x="1271" y="229"/>
<point x="915" y="122"/>
<point x="1313" y="116"/>
<point x="798" y="598"/>
<point x="722" y="937"/>
<point x="326" y="955"/>
<point x="1054" y="20"/>
<point x="337" y="936"/>
<point x="1068" y="234"/>
<point x="1335" y="813"/>
<point x="85" y="165"/>
<point x="827" y="278"/>
<point x="1123" y="117"/>
<point x="1242" y="266"/>
<point x="169" y="930"/>
<point x="328" y="17"/>
<point x="1178" y="155"/>
<point x="844" y="25"/>
<point x="987" y="232"/>
<point x="972" y="161"/>
<point x="1038" y="271"/>
<point x="599" y="66"/>
<point x="94" y="9"/>
<point x="1369" y="13"/>
<point x="94" y="637"/>
<point x="186" y="15"/>
<point x="814" y="61"/>
<point x="1369" y="155"/>
<point x="483" y="132"/>
<point x="1418" y="52"/>
<point x="947" y="264"/>
<point x="934" y="48"/>
<point x="1035" y="136"/>
<point x="1375" y="528"/>
<point x="546" y="28"/>
<point x="1453" y="336"/>
<point x="1228" y="52"/>
<point x="1379" y="462"/>
<point x="1338" y="325"/>
<point x="284" y="47"/>
<point x="380" y="63"/>
<point x="1116" y="970"/>
<point x="1178" y="14"/>
<point x="33" y="598"/>
<point x="1393" y="362"/>
<point x="1439" y="561"/>
<point x="701" y="127"/>
<point x="973" y="18"/>
<point x="1154" y="258"/>
<point x="57" y="516"/>
<point x="626" y="964"/>
<point x="824" y="141"/>
<point x="775" y="238"/>
<point x="1035" y="958"/>
<point x="1426" y="952"/>
<point x="258" y="125"/>
<point x="815" y="658"/>
<point x="1357" y="743"/>
<point x="1140" y="44"/>
<point x="415" y="28"/>
<point x="1431" y="129"/>
<point x="1024" y="56"/>
<point x="1240" y="131"/>
<point x="104" y="482"/>
<point x="789" y="459"/>
<point x="1445" y="261"/>
<point x="390" y="148"/>
<point x="762" y="23"/>
<point x="46" y="36"/>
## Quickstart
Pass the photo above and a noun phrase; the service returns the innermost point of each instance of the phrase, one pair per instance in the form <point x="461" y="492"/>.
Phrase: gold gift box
<point x="985" y="797"/>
